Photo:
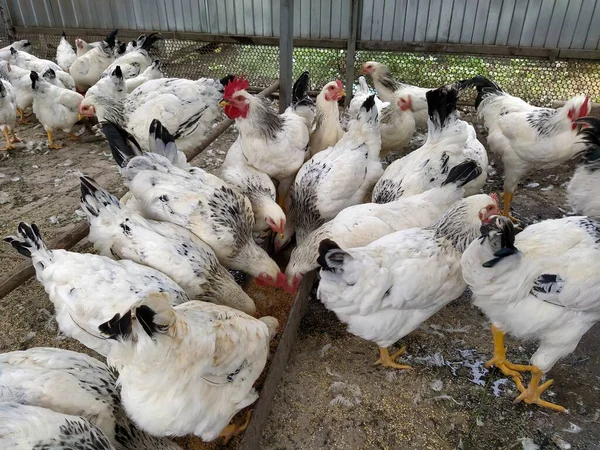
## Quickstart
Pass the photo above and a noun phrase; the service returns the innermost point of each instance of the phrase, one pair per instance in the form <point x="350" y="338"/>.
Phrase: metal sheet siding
<point x="563" y="24"/>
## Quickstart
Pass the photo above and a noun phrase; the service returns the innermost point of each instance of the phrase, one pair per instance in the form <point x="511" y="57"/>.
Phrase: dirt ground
<point x="331" y="396"/>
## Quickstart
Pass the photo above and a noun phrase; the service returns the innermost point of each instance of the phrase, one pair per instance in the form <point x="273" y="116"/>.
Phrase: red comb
<point x="237" y="84"/>
<point x="495" y="197"/>
<point x="339" y="83"/>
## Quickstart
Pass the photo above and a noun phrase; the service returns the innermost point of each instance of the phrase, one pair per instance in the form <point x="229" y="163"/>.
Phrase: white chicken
<point x="540" y="285"/>
<point x="25" y="427"/>
<point x="21" y="46"/>
<point x="21" y="82"/>
<point x="87" y="68"/>
<point x="119" y="233"/>
<point x="339" y="176"/>
<point x="82" y="47"/>
<point x="189" y="107"/>
<point x="188" y="369"/>
<point x="152" y="72"/>
<point x="387" y="289"/>
<point x="582" y="190"/>
<point x="56" y="108"/>
<point x="450" y="141"/>
<point x="8" y="114"/>
<point x="526" y="136"/>
<point x="255" y="185"/>
<point x="197" y="200"/>
<point x="274" y="144"/>
<point x="390" y="90"/>
<point x="88" y="289"/>
<point x="359" y="225"/>
<point x="73" y="383"/>
<point x="65" y="55"/>
<point x="51" y="77"/>
<point x="135" y="62"/>
<point x="31" y="62"/>
<point x="396" y="119"/>
<point x="327" y="130"/>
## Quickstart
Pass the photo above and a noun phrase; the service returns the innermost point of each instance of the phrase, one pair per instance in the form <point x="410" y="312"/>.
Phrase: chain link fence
<point x="538" y="81"/>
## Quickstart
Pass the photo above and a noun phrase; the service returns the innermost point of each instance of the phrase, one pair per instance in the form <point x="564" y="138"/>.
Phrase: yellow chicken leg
<point x="9" y="145"/>
<point x="232" y="430"/>
<point x="499" y="359"/>
<point x="532" y="393"/>
<point x="13" y="137"/>
<point x="21" y="116"/>
<point x="51" y="143"/>
<point x="74" y="137"/>
<point x="508" y="196"/>
<point x="387" y="360"/>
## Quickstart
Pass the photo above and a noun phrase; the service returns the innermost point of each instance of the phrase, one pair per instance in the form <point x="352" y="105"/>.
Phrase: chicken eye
<point x="239" y="98"/>
<point x="490" y="208"/>
<point x="330" y="88"/>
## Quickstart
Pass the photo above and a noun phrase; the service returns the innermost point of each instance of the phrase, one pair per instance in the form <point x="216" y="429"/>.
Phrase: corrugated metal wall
<point x="564" y="24"/>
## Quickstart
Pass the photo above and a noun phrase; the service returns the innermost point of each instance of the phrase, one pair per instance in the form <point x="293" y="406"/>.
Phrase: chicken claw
<point x="507" y="197"/>
<point x="22" y="116"/>
<point x="499" y="359"/>
<point x="532" y="393"/>
<point x="9" y="145"/>
<point x="51" y="143"/>
<point x="387" y="360"/>
<point x="232" y="430"/>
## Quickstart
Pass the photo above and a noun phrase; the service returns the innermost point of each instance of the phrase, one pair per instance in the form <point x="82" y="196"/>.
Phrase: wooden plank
<point x="262" y="407"/>
<point x="583" y="24"/>
<point x="336" y="19"/>
<point x="267" y="17"/>
<point x="491" y="27"/>
<point x="377" y="19"/>
<point x="212" y="7"/>
<point x="468" y="25"/>
<point x="556" y="24"/>
<point x="531" y="19"/>
<point x="410" y="22"/>
<point x="399" y="20"/>
<point x="446" y="12"/>
<point x="353" y="27"/>
<point x="516" y="26"/>
<point x="433" y="20"/>
<point x="315" y="19"/>
<point x="543" y="23"/>
<point x="240" y="26"/>
<point x="305" y="16"/>
<point x="286" y="53"/>
<point x="345" y="19"/>
<point x="456" y="21"/>
<point x="508" y="7"/>
<point x="571" y="19"/>
<point x="421" y="24"/>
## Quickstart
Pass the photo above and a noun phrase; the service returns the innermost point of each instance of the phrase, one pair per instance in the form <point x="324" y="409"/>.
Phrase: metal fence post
<point x="351" y="51"/>
<point x="286" y="49"/>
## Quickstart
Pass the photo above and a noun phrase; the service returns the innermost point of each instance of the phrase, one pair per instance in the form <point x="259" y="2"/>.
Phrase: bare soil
<point x="331" y="396"/>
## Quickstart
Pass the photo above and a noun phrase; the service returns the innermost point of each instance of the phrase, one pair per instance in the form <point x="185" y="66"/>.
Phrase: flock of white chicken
<point x="158" y="293"/>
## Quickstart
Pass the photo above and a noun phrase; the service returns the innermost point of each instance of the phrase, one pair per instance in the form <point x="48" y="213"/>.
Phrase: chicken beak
<point x="343" y="93"/>
<point x="80" y="117"/>
<point x="223" y="103"/>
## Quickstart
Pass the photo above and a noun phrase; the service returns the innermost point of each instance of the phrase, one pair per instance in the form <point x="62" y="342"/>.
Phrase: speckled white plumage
<point x="65" y="54"/>
<point x="21" y="83"/>
<point x="208" y="358"/>
<point x="56" y="108"/>
<point x="152" y="72"/>
<point x="73" y="383"/>
<point x="547" y="290"/>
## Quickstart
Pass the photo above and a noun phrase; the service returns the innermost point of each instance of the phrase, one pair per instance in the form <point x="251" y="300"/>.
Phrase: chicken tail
<point x="94" y="198"/>
<point x="161" y="141"/>
<point x="123" y="145"/>
<point x="331" y="256"/>
<point x="500" y="228"/>
<point x="441" y="106"/>
<point x="150" y="40"/>
<point x="368" y="112"/>
<point x="35" y="78"/>
<point x="111" y="39"/>
<point x="154" y="314"/>
<point x="463" y="173"/>
<point x="49" y="74"/>
<point x="64" y="35"/>
<point x="29" y="243"/>
<point x="485" y="88"/>
<point x="591" y="138"/>
<point x="363" y="87"/>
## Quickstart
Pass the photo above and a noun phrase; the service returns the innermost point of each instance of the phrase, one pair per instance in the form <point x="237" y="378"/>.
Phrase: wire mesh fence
<point x="538" y="81"/>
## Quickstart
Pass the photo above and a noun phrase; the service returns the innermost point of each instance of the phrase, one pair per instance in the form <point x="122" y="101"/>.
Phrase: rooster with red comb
<point x="271" y="143"/>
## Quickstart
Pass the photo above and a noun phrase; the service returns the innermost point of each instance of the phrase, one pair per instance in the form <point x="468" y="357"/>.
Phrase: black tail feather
<point x="441" y="104"/>
<point x="111" y="38"/>
<point x="484" y="87"/>
<point x="34" y="79"/>
<point x="504" y="227"/>
<point x="591" y="137"/>
<point x="49" y="73"/>
<point x="117" y="326"/>
<point x="225" y="80"/>
<point x="463" y="173"/>
<point x="300" y="88"/>
<point x="122" y="144"/>
<point x="150" y="40"/>
<point x="63" y="34"/>
<point x="331" y="256"/>
<point x="29" y="237"/>
<point x="92" y="192"/>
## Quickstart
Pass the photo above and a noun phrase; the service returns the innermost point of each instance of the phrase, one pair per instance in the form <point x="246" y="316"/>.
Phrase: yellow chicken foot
<point x="74" y="137"/>
<point x="13" y="137"/>
<point x="232" y="430"/>
<point x="387" y="360"/>
<point x="532" y="393"/>
<point x="499" y="359"/>
<point x="51" y="143"/>
<point x="9" y="145"/>
<point x="508" y="196"/>
<point x="21" y="116"/>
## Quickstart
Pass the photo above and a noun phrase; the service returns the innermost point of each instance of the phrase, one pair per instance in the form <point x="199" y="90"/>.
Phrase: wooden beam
<point x="286" y="53"/>
<point x="7" y="21"/>
<point x="69" y="239"/>
<point x="355" y="6"/>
